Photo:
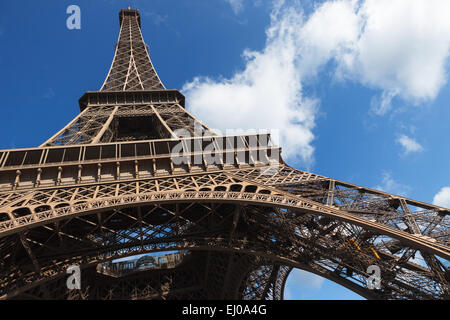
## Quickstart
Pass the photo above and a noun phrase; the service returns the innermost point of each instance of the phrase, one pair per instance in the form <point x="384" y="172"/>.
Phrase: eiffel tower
<point x="150" y="203"/>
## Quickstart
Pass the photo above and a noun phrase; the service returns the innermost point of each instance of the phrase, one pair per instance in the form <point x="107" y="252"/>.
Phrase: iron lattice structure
<point x="108" y="186"/>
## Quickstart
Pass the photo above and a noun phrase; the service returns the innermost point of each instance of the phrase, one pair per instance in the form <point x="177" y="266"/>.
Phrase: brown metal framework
<point x="108" y="186"/>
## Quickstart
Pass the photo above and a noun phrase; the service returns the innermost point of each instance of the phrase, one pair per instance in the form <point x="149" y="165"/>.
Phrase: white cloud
<point x="300" y="280"/>
<point x="306" y="279"/>
<point x="380" y="105"/>
<point x="330" y="32"/>
<point x="49" y="94"/>
<point x="409" y="145"/>
<point x="266" y="94"/>
<point x="402" y="48"/>
<point x="397" y="47"/>
<point x="236" y="5"/>
<point x="156" y="18"/>
<point x="442" y="198"/>
<point x="388" y="184"/>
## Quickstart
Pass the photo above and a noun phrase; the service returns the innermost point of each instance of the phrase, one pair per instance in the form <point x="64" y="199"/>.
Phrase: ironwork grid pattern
<point x="106" y="187"/>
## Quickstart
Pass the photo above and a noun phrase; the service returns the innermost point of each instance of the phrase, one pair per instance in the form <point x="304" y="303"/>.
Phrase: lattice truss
<point x="84" y="128"/>
<point x="132" y="68"/>
<point x="243" y="226"/>
<point x="102" y="124"/>
<point x="131" y="71"/>
<point x="236" y="215"/>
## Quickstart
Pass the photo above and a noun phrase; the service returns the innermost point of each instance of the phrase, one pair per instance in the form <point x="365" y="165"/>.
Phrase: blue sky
<point x="358" y="90"/>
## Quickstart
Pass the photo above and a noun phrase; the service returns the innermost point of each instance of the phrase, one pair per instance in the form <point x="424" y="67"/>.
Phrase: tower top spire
<point x="132" y="68"/>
